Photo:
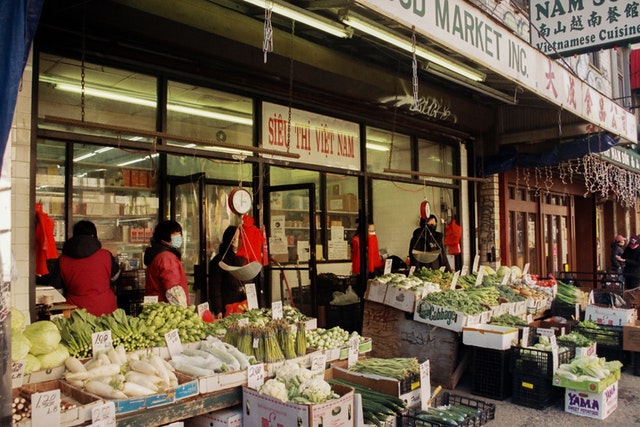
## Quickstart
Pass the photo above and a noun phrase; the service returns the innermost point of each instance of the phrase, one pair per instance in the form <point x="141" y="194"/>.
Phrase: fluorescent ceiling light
<point x="385" y="35"/>
<point x="478" y="87"/>
<point x="138" y="160"/>
<point x="119" y="97"/>
<point x="301" y="15"/>
<point x="377" y="147"/>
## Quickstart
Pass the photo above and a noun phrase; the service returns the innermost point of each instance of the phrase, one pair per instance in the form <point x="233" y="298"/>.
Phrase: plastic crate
<point x="534" y="391"/>
<point x="486" y="411"/>
<point x="635" y="361"/>
<point x="609" y="336"/>
<point x="539" y="362"/>
<point x="348" y="317"/>
<point x="490" y="373"/>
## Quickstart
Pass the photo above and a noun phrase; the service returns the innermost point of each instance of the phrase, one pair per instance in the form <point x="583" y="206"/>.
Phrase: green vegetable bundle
<point x="376" y="406"/>
<point x="398" y="368"/>
<point x="567" y="294"/>
<point x="508" y="320"/>
<point x="469" y="301"/>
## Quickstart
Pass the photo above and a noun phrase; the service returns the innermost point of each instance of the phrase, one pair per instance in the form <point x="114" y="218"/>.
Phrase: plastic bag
<point x="345" y="298"/>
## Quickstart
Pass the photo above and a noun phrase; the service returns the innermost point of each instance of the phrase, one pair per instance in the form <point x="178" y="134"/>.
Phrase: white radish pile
<point x="118" y="375"/>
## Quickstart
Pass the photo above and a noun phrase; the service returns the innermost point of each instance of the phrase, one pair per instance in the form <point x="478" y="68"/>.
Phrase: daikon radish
<point x="104" y="390"/>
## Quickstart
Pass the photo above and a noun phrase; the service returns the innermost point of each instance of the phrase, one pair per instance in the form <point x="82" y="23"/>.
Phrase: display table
<point x="182" y="410"/>
<point x="62" y="308"/>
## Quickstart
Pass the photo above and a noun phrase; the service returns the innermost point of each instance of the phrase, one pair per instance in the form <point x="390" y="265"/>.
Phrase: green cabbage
<point x="43" y="335"/>
<point x="502" y="270"/>
<point x="32" y="364"/>
<point x="55" y="358"/>
<point x="20" y="346"/>
<point x="17" y="320"/>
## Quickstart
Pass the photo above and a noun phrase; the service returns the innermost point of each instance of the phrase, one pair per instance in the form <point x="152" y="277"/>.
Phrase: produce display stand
<point x="182" y="410"/>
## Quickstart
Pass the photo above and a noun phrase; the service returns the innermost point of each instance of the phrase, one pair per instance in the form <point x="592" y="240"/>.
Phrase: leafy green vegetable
<point x="43" y="335"/>
<point x="20" y="346"/>
<point x="55" y="358"/>
<point x="18" y="320"/>
<point x="32" y="364"/>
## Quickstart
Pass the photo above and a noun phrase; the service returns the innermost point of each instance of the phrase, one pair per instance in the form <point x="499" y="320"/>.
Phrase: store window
<point x="50" y="185"/>
<point x="207" y="115"/>
<point x="387" y="150"/>
<point x="95" y="94"/>
<point x="434" y="157"/>
<point x="341" y="214"/>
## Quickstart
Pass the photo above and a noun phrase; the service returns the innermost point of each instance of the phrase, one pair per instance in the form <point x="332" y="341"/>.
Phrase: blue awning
<point x="509" y="158"/>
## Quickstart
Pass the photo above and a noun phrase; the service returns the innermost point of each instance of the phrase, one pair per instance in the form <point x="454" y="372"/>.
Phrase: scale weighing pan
<point x="425" y="257"/>
<point x="243" y="273"/>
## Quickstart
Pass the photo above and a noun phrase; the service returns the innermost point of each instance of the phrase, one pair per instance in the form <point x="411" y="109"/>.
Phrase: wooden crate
<point x="396" y="334"/>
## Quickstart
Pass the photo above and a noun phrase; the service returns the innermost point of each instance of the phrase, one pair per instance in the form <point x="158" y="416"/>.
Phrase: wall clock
<point x="240" y="201"/>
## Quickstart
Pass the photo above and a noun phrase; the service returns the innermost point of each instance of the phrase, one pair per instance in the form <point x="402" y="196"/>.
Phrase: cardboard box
<point x="71" y="417"/>
<point x="443" y="317"/>
<point x="376" y="291"/>
<point x="231" y="417"/>
<point x="587" y="386"/>
<point x="402" y="299"/>
<point x="404" y="390"/>
<point x="44" y="375"/>
<point x="592" y="405"/>
<point x="610" y="316"/>
<point x="261" y="410"/>
<point x="631" y="336"/>
<point x="558" y="329"/>
<point x="222" y="381"/>
<point x="490" y="336"/>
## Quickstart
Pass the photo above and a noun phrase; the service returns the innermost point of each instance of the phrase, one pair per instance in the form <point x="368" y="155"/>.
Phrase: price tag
<point x="318" y="363"/>
<point x="252" y="296"/>
<point x="476" y="263"/>
<point x="465" y="270"/>
<point x="202" y="308"/>
<point x="173" y="342"/>
<point x="148" y="299"/>
<point x="547" y="332"/>
<point x="425" y="385"/>
<point x="443" y="268"/>
<point x="529" y="318"/>
<point x="243" y="322"/>
<point x="17" y="373"/>
<point x="45" y="409"/>
<point x="525" y="270"/>
<point x="454" y="280"/>
<point x="480" y="276"/>
<point x="352" y="358"/>
<point x="554" y="354"/>
<point x="577" y="313"/>
<point x="255" y="375"/>
<point x="506" y="277"/>
<point x="412" y="270"/>
<point x="104" y="415"/>
<point x="101" y="342"/>
<point x="387" y="265"/>
<point x="276" y="310"/>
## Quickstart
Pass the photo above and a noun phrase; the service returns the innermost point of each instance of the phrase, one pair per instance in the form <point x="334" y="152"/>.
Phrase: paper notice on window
<point x="278" y="245"/>
<point x="277" y="227"/>
<point x="303" y="250"/>
<point x="338" y="250"/>
<point x="337" y="233"/>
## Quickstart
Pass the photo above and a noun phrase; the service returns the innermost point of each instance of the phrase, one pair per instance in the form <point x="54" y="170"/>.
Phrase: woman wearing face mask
<point x="426" y="238"/>
<point x="225" y="291"/>
<point x="165" y="276"/>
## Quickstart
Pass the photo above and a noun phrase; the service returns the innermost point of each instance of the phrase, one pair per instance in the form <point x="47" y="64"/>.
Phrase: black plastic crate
<point x="534" y="391"/>
<point x="348" y="317"/>
<point x="409" y="383"/>
<point x="635" y="361"/>
<point x="608" y="336"/>
<point x="491" y="376"/>
<point x="539" y="362"/>
<point x="486" y="412"/>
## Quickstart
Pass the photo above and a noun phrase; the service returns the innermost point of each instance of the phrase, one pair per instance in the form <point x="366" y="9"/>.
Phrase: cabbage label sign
<point x="443" y="317"/>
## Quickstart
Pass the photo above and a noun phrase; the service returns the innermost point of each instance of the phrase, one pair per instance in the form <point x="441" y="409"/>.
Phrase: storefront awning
<point x="509" y="158"/>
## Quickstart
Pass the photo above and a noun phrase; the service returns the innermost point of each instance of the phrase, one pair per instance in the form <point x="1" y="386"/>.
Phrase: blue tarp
<point x="18" y="23"/>
<point x="509" y="158"/>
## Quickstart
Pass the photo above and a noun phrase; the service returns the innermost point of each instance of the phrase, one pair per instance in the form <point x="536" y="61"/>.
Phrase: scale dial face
<point x="240" y="201"/>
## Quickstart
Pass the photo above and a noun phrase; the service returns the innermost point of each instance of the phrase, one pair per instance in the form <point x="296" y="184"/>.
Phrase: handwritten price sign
<point x="45" y="408"/>
<point x="255" y="375"/>
<point x="101" y="342"/>
<point x="104" y="415"/>
<point x="173" y="342"/>
<point x="17" y="373"/>
<point x="276" y="310"/>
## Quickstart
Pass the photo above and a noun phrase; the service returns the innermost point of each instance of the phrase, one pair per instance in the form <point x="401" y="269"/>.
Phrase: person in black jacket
<point x="224" y="289"/>
<point x="616" y="260"/>
<point x="631" y="256"/>
<point x="426" y="239"/>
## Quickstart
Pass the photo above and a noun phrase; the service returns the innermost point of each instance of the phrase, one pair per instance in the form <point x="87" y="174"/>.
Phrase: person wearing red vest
<point x="87" y="271"/>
